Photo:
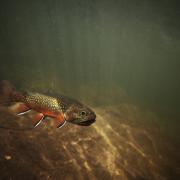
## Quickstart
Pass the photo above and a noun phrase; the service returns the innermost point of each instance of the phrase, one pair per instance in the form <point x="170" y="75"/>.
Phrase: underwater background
<point x="119" y="57"/>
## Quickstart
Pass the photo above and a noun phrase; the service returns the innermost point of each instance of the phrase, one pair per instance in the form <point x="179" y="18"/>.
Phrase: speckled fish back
<point x="40" y="101"/>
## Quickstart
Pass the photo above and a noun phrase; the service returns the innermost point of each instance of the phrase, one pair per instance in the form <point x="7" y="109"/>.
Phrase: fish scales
<point x="60" y="108"/>
<point x="36" y="100"/>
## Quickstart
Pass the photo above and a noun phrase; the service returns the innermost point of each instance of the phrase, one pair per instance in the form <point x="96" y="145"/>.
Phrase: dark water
<point x="120" y="57"/>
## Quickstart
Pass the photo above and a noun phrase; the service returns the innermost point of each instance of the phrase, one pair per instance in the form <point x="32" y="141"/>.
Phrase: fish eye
<point x="83" y="113"/>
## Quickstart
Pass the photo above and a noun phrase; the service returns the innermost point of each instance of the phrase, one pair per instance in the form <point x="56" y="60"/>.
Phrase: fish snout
<point x="85" y="121"/>
<point x="90" y="120"/>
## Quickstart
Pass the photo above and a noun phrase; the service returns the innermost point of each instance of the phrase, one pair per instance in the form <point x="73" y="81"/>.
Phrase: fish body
<point x="61" y="108"/>
<point x="48" y="105"/>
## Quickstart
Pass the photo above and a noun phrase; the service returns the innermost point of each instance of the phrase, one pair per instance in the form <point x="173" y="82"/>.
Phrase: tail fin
<point x="6" y="91"/>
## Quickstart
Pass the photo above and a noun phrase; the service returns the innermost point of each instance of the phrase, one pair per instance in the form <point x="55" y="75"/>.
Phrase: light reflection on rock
<point x="122" y="144"/>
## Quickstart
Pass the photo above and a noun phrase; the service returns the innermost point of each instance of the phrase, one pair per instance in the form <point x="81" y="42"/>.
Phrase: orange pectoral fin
<point x="60" y="121"/>
<point x="37" y="119"/>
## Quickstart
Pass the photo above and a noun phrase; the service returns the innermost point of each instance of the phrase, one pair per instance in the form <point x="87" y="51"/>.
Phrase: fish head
<point x="79" y="114"/>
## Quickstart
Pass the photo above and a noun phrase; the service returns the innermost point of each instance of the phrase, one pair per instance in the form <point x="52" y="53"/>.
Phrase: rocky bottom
<point x="125" y="143"/>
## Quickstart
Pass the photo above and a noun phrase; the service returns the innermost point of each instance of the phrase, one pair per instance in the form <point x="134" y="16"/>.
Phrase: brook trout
<point x="61" y="108"/>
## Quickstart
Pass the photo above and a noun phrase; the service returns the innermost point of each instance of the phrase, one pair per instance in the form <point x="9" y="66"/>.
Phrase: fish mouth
<point x="84" y="123"/>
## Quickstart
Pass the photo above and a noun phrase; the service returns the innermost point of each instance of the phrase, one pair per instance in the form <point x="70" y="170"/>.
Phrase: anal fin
<point x="22" y="113"/>
<point x="20" y="109"/>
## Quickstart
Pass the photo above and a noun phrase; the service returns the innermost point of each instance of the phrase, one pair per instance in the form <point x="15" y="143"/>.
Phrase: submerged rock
<point x="124" y="143"/>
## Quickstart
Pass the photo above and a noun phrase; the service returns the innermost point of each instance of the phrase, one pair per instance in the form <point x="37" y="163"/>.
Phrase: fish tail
<point x="8" y="93"/>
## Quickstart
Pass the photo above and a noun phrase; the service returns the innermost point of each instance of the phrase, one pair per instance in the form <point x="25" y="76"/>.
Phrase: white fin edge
<point x="22" y="113"/>
<point x="62" y="125"/>
<point x="39" y="121"/>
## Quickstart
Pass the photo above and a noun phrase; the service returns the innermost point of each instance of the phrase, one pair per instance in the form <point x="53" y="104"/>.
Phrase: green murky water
<point x="106" y="53"/>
